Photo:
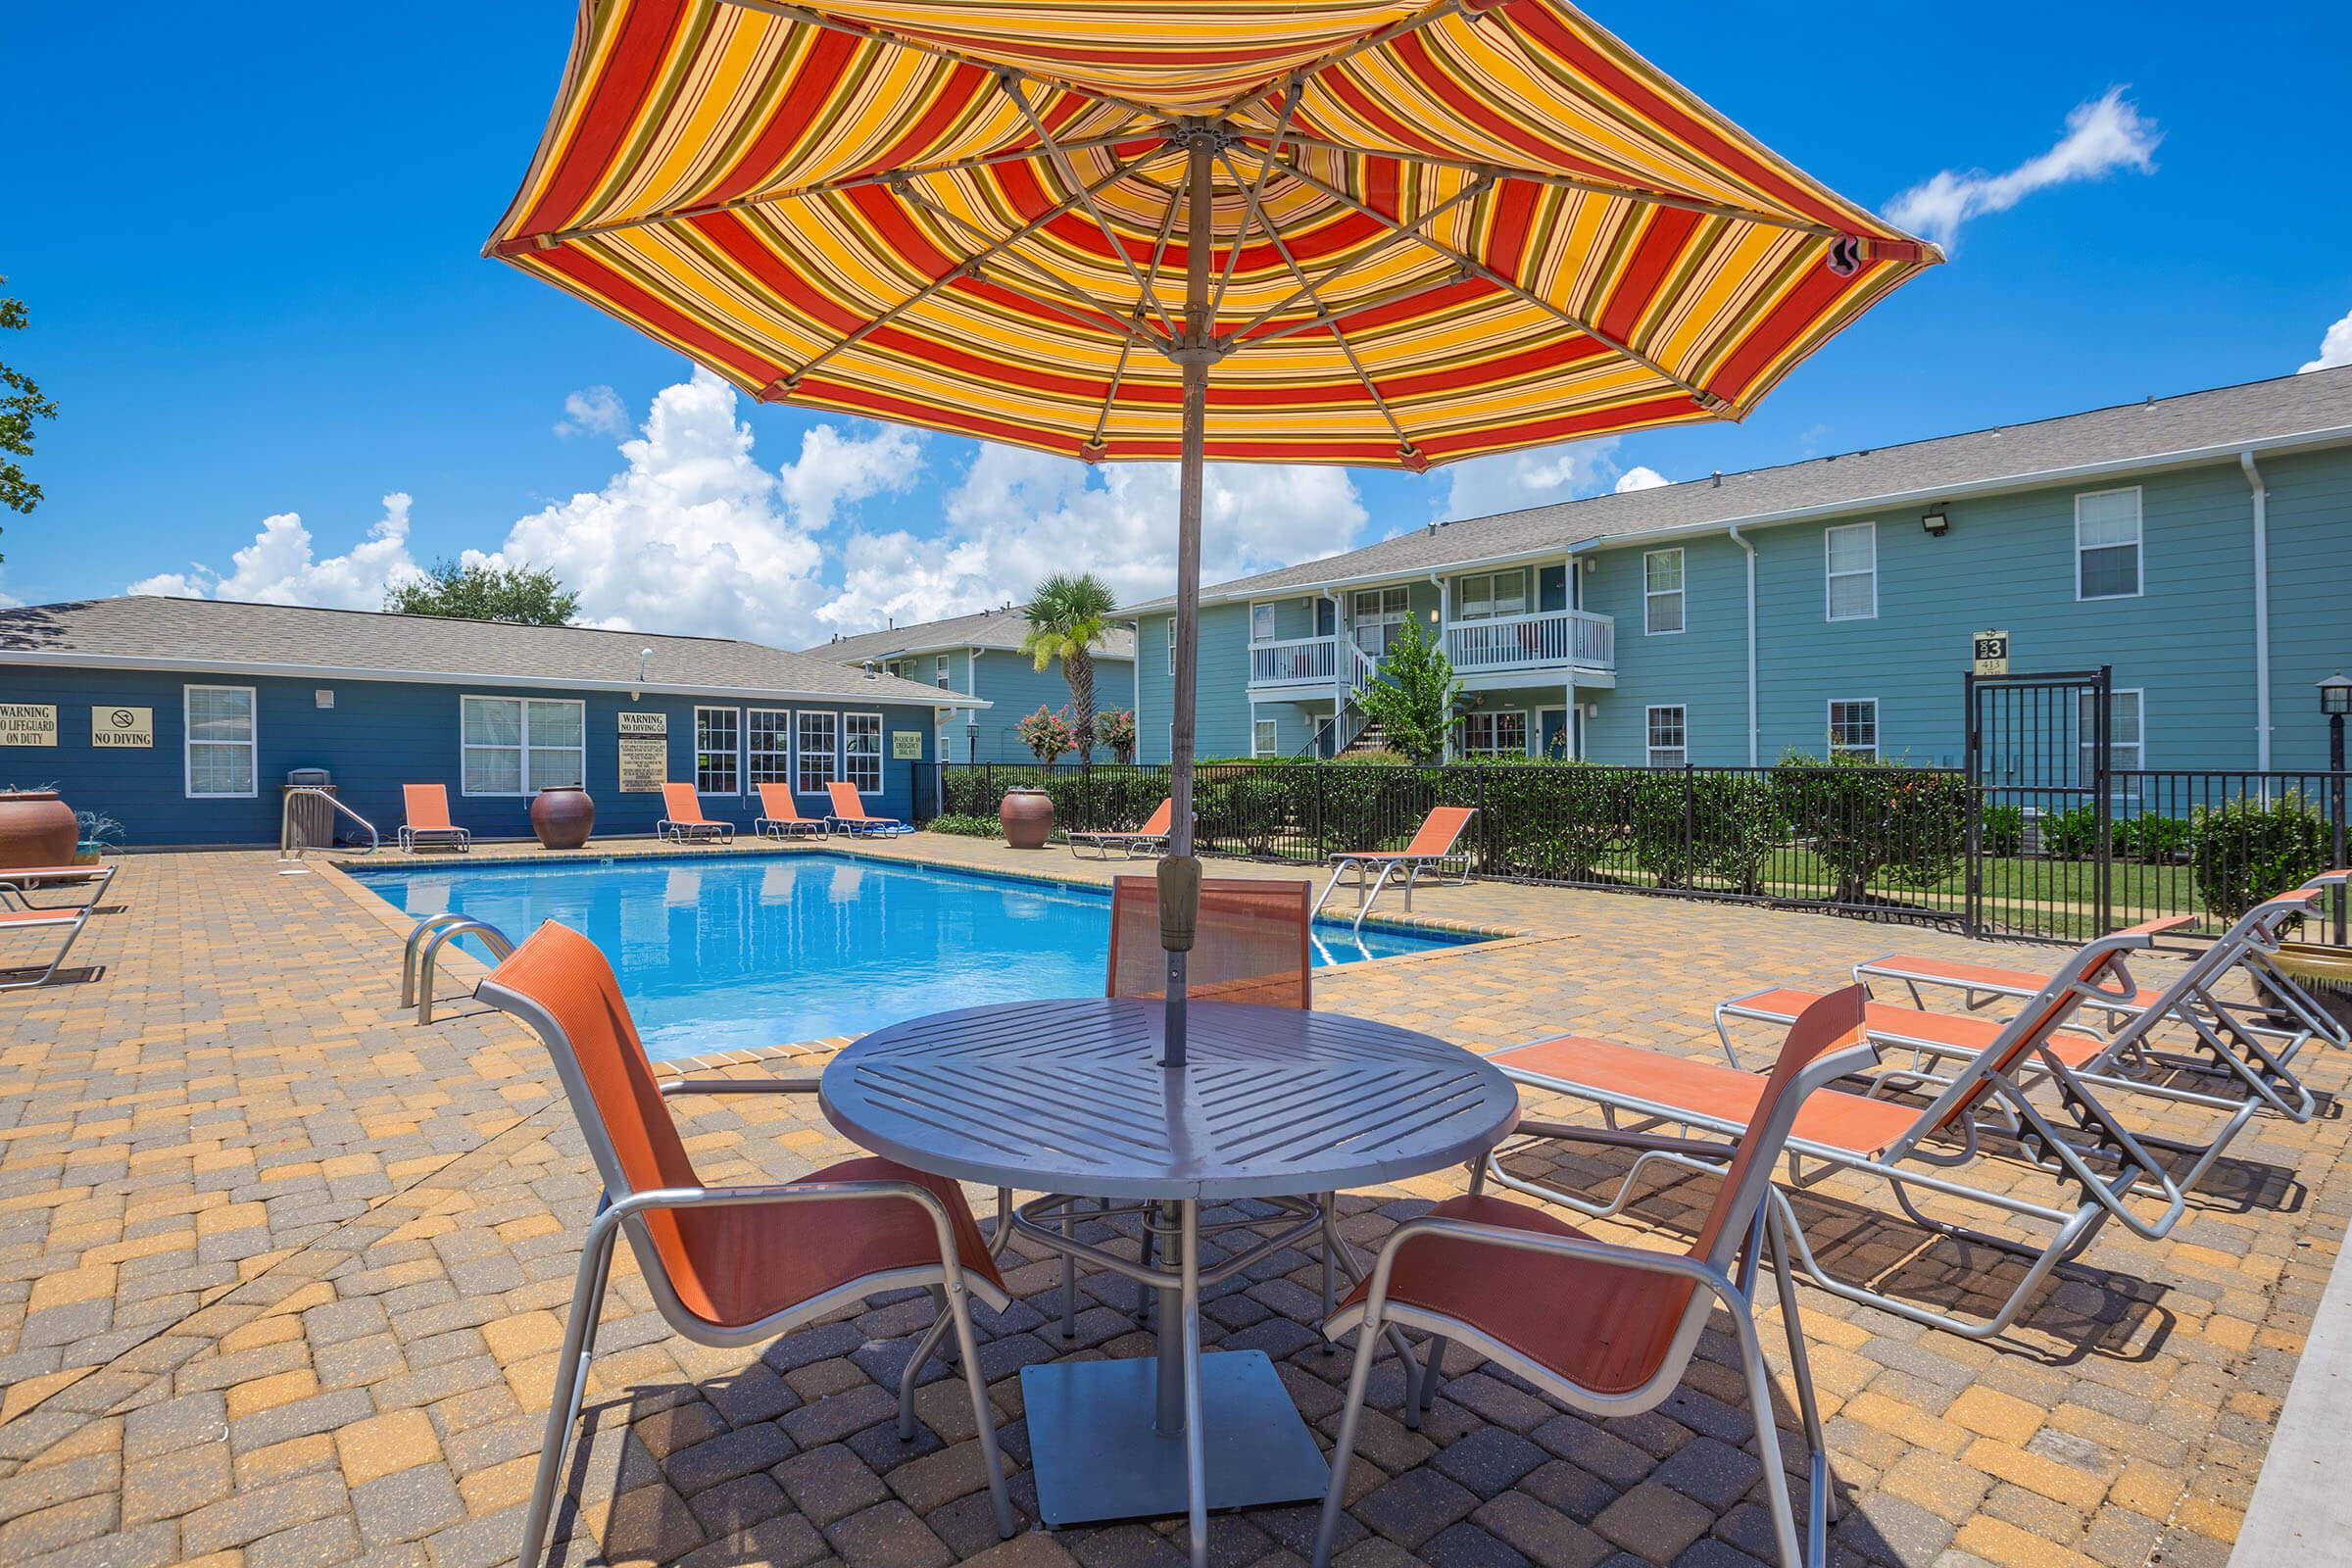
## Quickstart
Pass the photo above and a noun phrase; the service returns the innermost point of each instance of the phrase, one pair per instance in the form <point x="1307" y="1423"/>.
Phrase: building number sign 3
<point x="1990" y="655"/>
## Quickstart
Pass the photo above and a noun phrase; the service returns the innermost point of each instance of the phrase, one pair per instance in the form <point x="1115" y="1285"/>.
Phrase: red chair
<point x="1249" y="942"/>
<point x="426" y="808"/>
<point x="1435" y="848"/>
<point x="728" y="1265"/>
<point x="780" y="815"/>
<point x="1603" y="1328"/>
<point x="685" y="820"/>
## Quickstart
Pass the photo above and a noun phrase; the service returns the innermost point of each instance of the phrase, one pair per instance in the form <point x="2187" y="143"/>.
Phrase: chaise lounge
<point x="685" y="823"/>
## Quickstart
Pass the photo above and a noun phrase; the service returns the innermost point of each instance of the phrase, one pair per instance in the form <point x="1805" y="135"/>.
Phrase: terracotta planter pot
<point x="1027" y="816"/>
<point x="36" y="828"/>
<point x="562" y="816"/>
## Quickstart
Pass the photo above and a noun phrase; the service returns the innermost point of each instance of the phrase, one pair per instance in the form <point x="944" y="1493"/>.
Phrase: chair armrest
<point x="1610" y="1255"/>
<point x="740" y="1086"/>
<point x="1618" y="1137"/>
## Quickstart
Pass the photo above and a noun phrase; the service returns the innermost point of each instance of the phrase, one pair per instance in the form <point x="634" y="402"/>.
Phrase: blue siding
<point x="1704" y="668"/>
<point x="1019" y="688"/>
<point x="376" y="737"/>
<point x="1222" y="724"/>
<point x="2311" y="582"/>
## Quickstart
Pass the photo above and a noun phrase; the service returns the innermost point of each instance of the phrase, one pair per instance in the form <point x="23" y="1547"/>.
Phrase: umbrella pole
<point x="1180" y="871"/>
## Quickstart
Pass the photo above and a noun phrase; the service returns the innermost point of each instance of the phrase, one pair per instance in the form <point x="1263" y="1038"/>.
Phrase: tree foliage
<point x="520" y="595"/>
<point x="1070" y="617"/>
<point x="1115" y="728"/>
<point x="1416" y="696"/>
<point x="1046" y="733"/>
<point x="20" y="403"/>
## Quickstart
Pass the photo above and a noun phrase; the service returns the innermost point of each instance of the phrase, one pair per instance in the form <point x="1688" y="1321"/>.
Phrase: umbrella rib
<point x="972" y="262"/>
<point x="1121" y="325"/>
<point x="1401" y="232"/>
<point x="1346" y="51"/>
<point x="872" y="35"/>
<point x="1118" y="374"/>
<point x="1591" y="187"/>
<point x="1009" y="80"/>
<point x="1705" y="399"/>
<point x="1250" y="191"/>
<point x="1282" y="248"/>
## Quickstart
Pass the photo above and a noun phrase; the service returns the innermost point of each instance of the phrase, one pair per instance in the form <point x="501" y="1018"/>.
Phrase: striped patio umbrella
<point x="1352" y="232"/>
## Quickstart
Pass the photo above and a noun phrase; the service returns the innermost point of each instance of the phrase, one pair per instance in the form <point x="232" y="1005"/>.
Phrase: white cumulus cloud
<point x="2102" y="136"/>
<point x="593" y="411"/>
<point x="2335" y="347"/>
<point x="282" y="567"/>
<point x="1639" y="477"/>
<point x="1511" y="481"/>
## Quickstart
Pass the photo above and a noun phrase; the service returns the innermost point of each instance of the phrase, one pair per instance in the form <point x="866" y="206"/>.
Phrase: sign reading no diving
<point x="113" y="728"/>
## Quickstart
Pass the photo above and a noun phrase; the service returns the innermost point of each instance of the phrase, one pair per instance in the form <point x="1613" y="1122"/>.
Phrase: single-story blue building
<point x="182" y="719"/>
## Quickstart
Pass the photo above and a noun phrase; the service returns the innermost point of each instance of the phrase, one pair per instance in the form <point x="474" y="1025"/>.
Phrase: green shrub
<point x="2003" y="832"/>
<point x="2072" y="834"/>
<point x="1872" y="822"/>
<point x="2247" y="850"/>
<point x="2151" y="838"/>
<point x="970" y="827"/>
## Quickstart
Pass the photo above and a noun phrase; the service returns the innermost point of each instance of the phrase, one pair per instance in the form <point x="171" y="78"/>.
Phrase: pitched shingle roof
<point x="2150" y="433"/>
<point x="209" y="634"/>
<point x="991" y="628"/>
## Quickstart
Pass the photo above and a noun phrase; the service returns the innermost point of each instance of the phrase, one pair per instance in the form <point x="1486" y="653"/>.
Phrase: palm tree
<point x="1068" y="621"/>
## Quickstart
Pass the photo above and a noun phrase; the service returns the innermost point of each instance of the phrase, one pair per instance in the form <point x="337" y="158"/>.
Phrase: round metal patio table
<point x="1070" y="1096"/>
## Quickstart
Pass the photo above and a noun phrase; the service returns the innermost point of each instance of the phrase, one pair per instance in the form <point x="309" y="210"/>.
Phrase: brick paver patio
<point x="281" y="1278"/>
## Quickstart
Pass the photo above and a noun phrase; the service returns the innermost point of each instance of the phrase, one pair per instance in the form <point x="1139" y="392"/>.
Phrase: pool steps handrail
<point x="444" y="927"/>
<point x="289" y="841"/>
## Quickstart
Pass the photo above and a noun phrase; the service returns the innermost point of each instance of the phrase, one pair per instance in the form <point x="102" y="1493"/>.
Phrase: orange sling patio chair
<point x="2102" y="1170"/>
<point x="1130" y="844"/>
<point x="780" y="815"/>
<point x="728" y="1265"/>
<point x="1606" y="1329"/>
<point x="684" y="820"/>
<point x="1435" y="848"/>
<point x="849" y="813"/>
<point x="427" y="806"/>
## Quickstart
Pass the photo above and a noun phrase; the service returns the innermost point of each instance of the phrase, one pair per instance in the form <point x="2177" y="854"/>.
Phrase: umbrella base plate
<point x="1097" y="1456"/>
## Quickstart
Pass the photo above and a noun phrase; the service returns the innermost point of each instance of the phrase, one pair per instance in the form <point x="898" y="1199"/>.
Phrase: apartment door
<point x="1551" y="733"/>
<point x="1551" y="588"/>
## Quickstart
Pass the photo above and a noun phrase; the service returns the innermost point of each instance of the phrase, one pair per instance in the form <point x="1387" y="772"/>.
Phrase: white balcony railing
<point x="1553" y="638"/>
<point x="1293" y="661"/>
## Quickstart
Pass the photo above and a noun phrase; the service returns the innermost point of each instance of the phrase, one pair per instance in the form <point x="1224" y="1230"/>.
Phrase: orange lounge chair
<point x="67" y="920"/>
<point x="17" y="881"/>
<point x="2079" y="1145"/>
<point x="427" y="811"/>
<point x="781" y="817"/>
<point x="1434" y="847"/>
<point x="686" y="822"/>
<point x="849" y="813"/>
<point x="1608" y="1329"/>
<point x="729" y="1266"/>
<point x="1152" y="837"/>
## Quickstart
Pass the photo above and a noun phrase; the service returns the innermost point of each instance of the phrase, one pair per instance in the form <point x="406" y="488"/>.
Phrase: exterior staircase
<point x="1370" y="738"/>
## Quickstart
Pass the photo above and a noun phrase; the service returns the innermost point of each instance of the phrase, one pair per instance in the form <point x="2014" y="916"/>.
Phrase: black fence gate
<point x="2040" y="770"/>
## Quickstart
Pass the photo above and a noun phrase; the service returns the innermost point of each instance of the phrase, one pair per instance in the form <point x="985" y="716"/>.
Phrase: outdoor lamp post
<point x="2336" y="701"/>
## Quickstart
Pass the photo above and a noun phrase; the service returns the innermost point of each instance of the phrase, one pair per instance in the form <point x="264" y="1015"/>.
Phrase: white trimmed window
<point x="1852" y="551"/>
<point x="718" y="750"/>
<point x="2127" y="732"/>
<point x="521" y="745"/>
<point x="1854" y="729"/>
<point x="1379" y="612"/>
<point x="768" y="745"/>
<point x="221" y="735"/>
<point x="1261" y="736"/>
<point x="1171" y="646"/>
<point x="1662" y="592"/>
<point x="2107" y="544"/>
<point x="1491" y="594"/>
<point x="819" y="738"/>
<point x="862" y="750"/>
<point x="1497" y="734"/>
<point x="939" y="671"/>
<point x="1261" y="623"/>
<point x="1668" y="739"/>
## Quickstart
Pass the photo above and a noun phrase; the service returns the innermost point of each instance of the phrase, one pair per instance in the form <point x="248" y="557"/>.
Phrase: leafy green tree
<point x="1070" y="617"/>
<point x="520" y="595"/>
<point x="20" y="403"/>
<point x="1416" y="696"/>
<point x="1116" y="730"/>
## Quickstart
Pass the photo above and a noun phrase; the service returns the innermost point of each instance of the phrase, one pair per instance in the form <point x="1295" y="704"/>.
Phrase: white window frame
<point x="1262" y="733"/>
<point x="524" y="745"/>
<point x="2139" y="700"/>
<point x="2138" y="545"/>
<point x="1875" y="751"/>
<point x="1171" y="645"/>
<point x="1829" y="575"/>
<point x="734" y="756"/>
<point x="828" y="758"/>
<point x="188" y="741"/>
<point x="1262" y="608"/>
<point x="1650" y="718"/>
<point x="780" y="756"/>
<point x="881" y="731"/>
<point x="1494" y="600"/>
<point x="940" y="668"/>
<point x="1492" y="746"/>
<point x="1380" y="617"/>
<point x="1680" y="593"/>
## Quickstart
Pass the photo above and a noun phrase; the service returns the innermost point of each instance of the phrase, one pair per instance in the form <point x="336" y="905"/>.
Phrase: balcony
<point x="1293" y="661"/>
<point x="1551" y="640"/>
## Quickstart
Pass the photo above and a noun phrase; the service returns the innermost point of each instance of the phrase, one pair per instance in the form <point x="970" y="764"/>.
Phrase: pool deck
<point x="282" y="1276"/>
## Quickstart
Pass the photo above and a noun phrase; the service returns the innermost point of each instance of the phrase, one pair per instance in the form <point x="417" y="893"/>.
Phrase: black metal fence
<point x="1890" y="843"/>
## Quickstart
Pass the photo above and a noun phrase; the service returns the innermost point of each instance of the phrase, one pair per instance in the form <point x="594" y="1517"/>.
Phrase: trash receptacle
<point x="310" y="820"/>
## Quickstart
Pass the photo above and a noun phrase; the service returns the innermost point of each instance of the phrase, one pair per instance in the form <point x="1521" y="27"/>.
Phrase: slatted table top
<point x="1070" y="1096"/>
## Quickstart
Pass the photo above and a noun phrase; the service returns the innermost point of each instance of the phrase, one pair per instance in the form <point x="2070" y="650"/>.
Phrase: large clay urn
<point x="1027" y="816"/>
<point x="36" y="828"/>
<point x="561" y="816"/>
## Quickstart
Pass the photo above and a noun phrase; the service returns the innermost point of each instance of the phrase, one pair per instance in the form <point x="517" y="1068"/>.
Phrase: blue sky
<point x="250" y="254"/>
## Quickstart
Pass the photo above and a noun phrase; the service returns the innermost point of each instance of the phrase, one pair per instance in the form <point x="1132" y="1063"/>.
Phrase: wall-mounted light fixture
<point x="1935" y="522"/>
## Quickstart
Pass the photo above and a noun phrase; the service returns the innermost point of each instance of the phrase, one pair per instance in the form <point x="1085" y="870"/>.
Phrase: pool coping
<point x="455" y="960"/>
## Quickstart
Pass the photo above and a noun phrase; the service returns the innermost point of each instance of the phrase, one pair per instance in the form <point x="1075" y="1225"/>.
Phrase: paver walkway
<point x="282" y="1276"/>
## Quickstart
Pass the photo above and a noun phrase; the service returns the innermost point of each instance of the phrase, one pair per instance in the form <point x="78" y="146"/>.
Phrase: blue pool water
<point x="722" y="953"/>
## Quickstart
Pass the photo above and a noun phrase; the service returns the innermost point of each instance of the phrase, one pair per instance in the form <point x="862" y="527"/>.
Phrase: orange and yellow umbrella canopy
<point x="1431" y="230"/>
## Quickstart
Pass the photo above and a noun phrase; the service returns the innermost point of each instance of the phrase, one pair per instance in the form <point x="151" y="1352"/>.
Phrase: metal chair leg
<point x="1069" y="1274"/>
<point x="1343" y="1450"/>
<point x="1330" y="1203"/>
<point x="1800" y="1365"/>
<point x="984" y="1414"/>
<point x="914" y="1364"/>
<point x="1421" y="1393"/>
<point x="1768" y="1451"/>
<point x="1195" y="1445"/>
<point x="563" y="1397"/>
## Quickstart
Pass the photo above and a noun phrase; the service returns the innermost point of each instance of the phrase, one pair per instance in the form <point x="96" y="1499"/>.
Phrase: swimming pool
<point x="724" y="953"/>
